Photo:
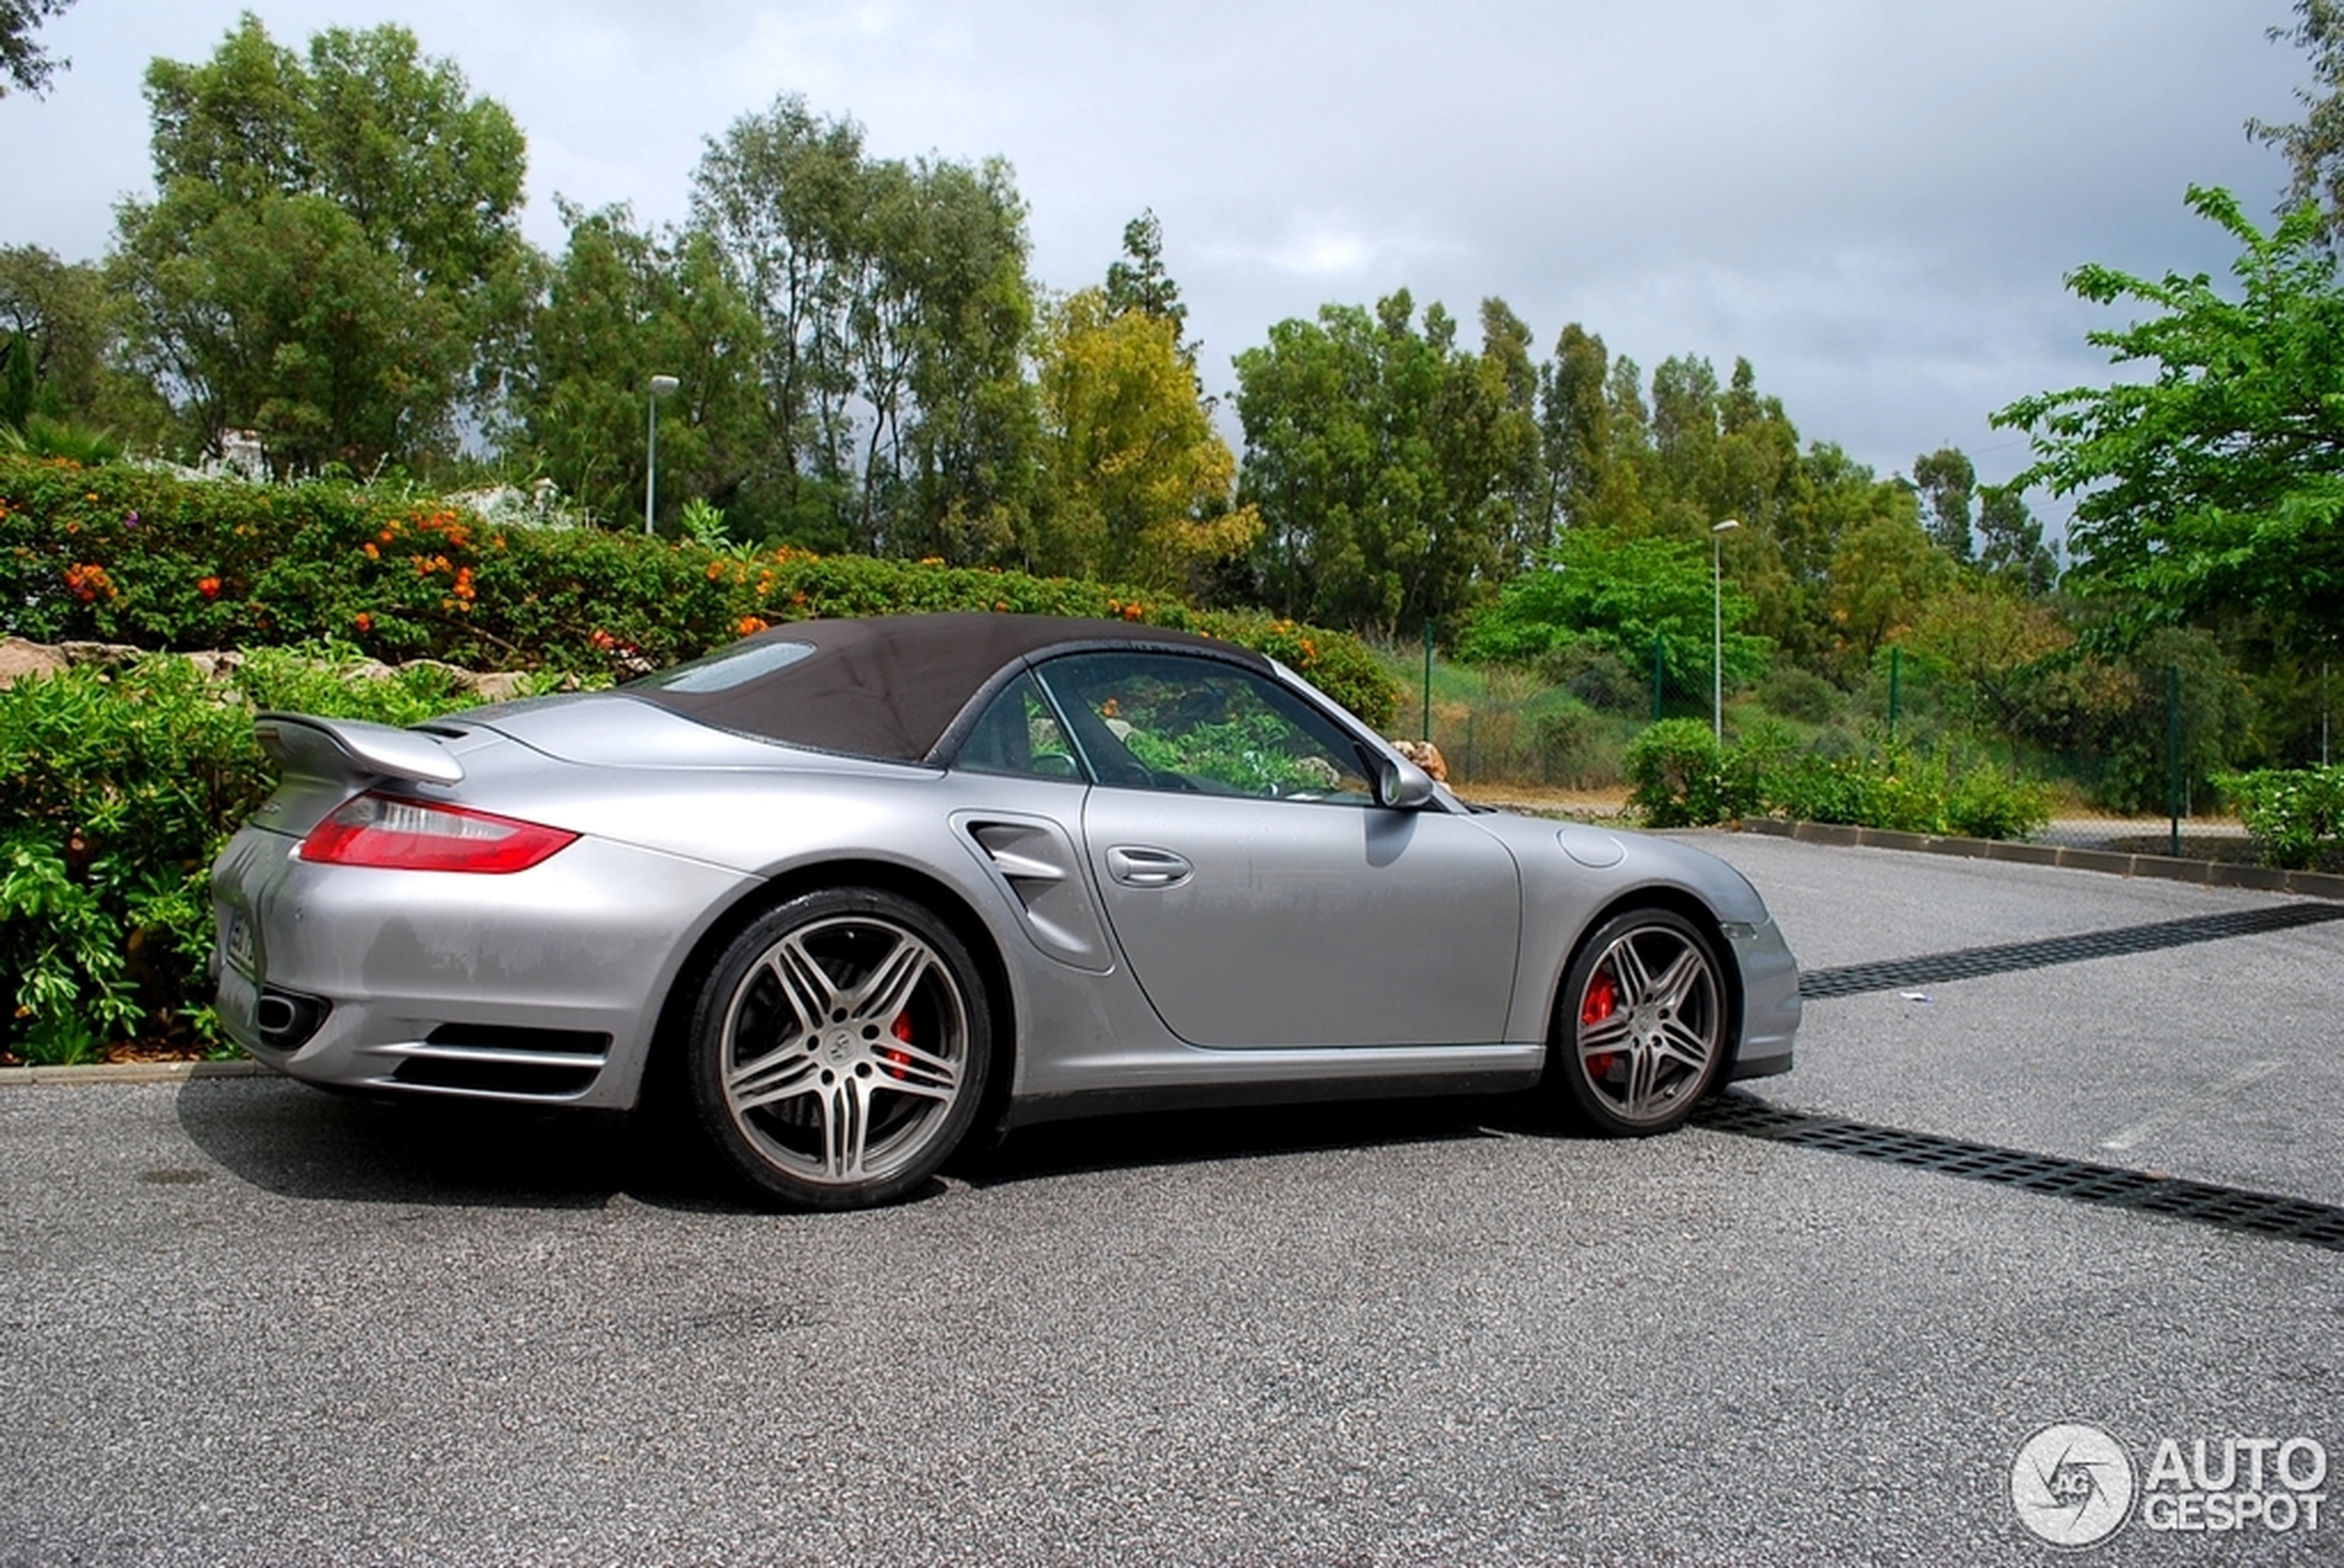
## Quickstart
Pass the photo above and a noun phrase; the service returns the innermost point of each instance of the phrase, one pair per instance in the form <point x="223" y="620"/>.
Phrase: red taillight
<point x="414" y="835"/>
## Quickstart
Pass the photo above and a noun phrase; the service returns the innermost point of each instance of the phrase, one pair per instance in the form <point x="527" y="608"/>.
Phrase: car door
<point x="1260" y="894"/>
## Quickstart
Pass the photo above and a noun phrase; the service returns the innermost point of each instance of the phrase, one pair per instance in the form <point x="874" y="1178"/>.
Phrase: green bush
<point x="1801" y="694"/>
<point x="1599" y="678"/>
<point x="2295" y="815"/>
<point x="128" y="555"/>
<point x="1682" y="780"/>
<point x="1562" y="736"/>
<point x="118" y="789"/>
<point x="1677" y="776"/>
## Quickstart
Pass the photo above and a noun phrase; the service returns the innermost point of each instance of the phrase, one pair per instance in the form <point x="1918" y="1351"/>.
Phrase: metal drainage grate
<point x="2108" y="1187"/>
<point x="1969" y="964"/>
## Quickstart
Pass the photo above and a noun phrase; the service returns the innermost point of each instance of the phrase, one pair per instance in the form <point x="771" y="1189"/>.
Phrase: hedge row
<point x="145" y="557"/>
<point x="1681" y="777"/>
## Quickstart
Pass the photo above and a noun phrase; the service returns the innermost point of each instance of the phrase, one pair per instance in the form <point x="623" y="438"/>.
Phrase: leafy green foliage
<point x="334" y="257"/>
<point x="621" y="306"/>
<point x="1620" y="595"/>
<point x="1246" y="751"/>
<point x="2295" y="815"/>
<point x="1382" y="458"/>
<point x="24" y="63"/>
<point x="2314" y="149"/>
<point x="2214" y="483"/>
<point x="119" y="788"/>
<point x="128" y="556"/>
<point x="1682" y="779"/>
<point x="892" y="308"/>
<point x="1677" y="776"/>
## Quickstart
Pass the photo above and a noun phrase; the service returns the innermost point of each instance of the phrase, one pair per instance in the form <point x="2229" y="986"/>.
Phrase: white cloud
<point x="1875" y="203"/>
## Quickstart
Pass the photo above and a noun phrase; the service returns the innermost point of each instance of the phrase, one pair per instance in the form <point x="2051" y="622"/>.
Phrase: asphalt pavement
<point x="251" y="1323"/>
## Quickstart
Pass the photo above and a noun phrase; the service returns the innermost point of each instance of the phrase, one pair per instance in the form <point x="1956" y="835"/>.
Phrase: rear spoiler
<point x="354" y="750"/>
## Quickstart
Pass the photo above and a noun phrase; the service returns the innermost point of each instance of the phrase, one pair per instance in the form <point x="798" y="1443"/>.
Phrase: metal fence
<point x="2131" y="755"/>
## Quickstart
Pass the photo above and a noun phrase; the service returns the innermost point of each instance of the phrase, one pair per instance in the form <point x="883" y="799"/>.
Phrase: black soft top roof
<point x="886" y="687"/>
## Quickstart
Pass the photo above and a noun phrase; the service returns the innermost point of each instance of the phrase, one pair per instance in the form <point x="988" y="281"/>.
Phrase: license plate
<point x="240" y="947"/>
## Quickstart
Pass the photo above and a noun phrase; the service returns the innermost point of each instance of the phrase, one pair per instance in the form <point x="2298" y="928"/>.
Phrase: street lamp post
<point x="661" y="387"/>
<point x="1718" y="625"/>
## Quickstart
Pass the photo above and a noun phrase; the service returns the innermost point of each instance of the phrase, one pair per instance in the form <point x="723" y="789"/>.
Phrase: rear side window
<point x="1018" y="734"/>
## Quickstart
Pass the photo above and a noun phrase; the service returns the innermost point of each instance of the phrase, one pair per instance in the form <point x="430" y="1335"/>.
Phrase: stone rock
<point x="499" y="686"/>
<point x="217" y="663"/>
<point x="1425" y="755"/>
<point x="113" y="656"/>
<point x="19" y="659"/>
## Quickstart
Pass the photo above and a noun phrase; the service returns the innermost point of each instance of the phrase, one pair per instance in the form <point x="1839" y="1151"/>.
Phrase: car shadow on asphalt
<point x="1191" y="1137"/>
<point x="297" y="1142"/>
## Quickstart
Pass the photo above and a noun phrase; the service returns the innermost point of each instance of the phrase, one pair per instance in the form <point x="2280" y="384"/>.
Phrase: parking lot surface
<point x="249" y="1323"/>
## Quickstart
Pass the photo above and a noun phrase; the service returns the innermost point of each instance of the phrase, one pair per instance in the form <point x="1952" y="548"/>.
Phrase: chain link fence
<point x="2131" y="754"/>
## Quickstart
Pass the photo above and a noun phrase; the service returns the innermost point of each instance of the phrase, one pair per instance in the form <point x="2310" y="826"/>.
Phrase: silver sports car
<point x="860" y="887"/>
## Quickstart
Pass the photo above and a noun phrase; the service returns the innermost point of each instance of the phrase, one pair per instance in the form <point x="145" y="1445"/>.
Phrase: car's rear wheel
<point x="1640" y="1027"/>
<point x="839" y="1049"/>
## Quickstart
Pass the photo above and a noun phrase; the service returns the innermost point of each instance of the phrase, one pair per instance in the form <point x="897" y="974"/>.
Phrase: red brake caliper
<point x="1602" y="1001"/>
<point x="898" y="1060"/>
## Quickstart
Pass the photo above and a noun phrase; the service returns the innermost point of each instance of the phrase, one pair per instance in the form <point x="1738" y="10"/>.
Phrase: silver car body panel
<point x="1147" y="943"/>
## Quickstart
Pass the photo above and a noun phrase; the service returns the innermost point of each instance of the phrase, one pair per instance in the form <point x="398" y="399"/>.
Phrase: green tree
<point x="1575" y="428"/>
<point x="16" y="382"/>
<point x="23" y="62"/>
<point x="1884" y="572"/>
<point x="1621" y="594"/>
<point x="71" y="327"/>
<point x="2011" y="541"/>
<point x="1508" y="443"/>
<point x="2314" y="149"/>
<point x="1139" y="281"/>
<point x="333" y="257"/>
<point x="1948" y="485"/>
<point x="1376" y="453"/>
<point x="894" y="308"/>
<point x="2214" y="485"/>
<point x="621" y="306"/>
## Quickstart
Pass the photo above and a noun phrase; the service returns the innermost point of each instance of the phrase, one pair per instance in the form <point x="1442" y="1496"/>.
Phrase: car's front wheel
<point x="839" y="1049"/>
<point x="1640" y="1027"/>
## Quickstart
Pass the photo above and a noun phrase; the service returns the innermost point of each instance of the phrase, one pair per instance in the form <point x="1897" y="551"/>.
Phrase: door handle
<point x="1137" y="865"/>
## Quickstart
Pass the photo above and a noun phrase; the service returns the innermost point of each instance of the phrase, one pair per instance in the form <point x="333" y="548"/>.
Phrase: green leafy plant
<point x="120" y="787"/>
<point x="1677" y="776"/>
<point x="2295" y="815"/>
<point x="126" y="554"/>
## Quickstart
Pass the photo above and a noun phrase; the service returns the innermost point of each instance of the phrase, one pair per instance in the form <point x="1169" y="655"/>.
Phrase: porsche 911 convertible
<point x="860" y="888"/>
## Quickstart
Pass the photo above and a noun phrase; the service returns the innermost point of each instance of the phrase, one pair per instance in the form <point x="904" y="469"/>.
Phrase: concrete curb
<point x="128" y="1072"/>
<point x="2210" y="873"/>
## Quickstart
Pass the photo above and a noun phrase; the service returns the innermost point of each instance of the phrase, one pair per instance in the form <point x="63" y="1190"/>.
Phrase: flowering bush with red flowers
<point x="125" y="555"/>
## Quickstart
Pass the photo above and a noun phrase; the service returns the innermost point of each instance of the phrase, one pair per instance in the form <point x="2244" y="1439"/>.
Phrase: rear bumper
<point x="542" y="985"/>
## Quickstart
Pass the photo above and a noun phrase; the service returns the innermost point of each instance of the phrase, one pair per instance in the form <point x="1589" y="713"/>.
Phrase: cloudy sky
<point x="1873" y="200"/>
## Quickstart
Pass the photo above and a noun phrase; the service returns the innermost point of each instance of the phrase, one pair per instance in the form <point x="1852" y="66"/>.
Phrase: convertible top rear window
<point x="729" y="667"/>
<point x="888" y="686"/>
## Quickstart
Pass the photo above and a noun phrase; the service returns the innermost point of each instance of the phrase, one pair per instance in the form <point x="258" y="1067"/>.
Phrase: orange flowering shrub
<point x="109" y="554"/>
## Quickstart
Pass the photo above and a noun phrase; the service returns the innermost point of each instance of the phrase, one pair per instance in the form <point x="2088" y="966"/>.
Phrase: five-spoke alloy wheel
<point x="840" y="1049"/>
<point x="1640" y="1028"/>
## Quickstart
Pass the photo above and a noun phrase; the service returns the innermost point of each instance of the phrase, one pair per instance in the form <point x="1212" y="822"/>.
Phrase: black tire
<point x="1640" y="1026"/>
<point x="839" y="1049"/>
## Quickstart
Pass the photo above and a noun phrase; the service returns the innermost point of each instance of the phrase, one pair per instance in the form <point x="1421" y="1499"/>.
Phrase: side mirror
<point x="1401" y="784"/>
